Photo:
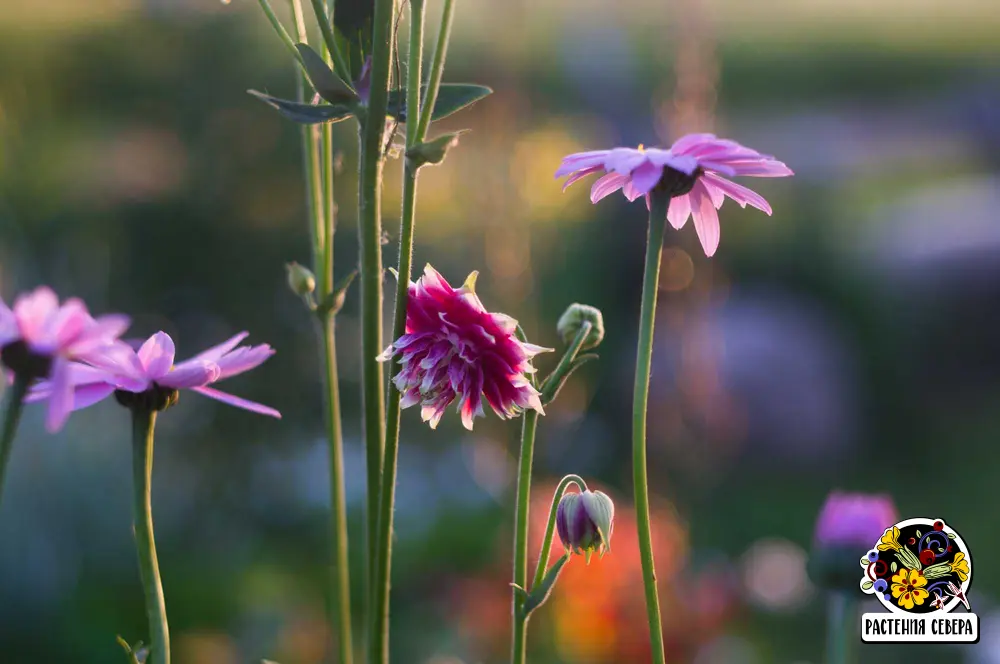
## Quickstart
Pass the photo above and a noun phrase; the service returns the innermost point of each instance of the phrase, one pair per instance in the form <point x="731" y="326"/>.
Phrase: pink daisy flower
<point x="39" y="338"/>
<point x="854" y="519"/>
<point x="151" y="372"/>
<point x="691" y="171"/>
<point x="455" y="349"/>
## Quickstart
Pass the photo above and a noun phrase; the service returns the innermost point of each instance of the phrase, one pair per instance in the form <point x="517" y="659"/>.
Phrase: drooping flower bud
<point x="573" y="319"/>
<point x="585" y="522"/>
<point x="300" y="279"/>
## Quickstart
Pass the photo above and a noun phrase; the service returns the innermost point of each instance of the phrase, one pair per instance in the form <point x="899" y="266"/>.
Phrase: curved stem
<point x="543" y="556"/>
<point x="566" y="361"/>
<point x="640" y="402"/>
<point x="143" y="424"/>
<point x="520" y="625"/>
<point x="11" y="417"/>
<point x="437" y="69"/>
<point x="286" y="38"/>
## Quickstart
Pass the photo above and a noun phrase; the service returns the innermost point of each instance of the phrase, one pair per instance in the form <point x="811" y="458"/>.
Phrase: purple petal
<point x="8" y="325"/>
<point x="689" y="142"/>
<point x="683" y="163"/>
<point x="61" y="398"/>
<point x="157" y="355"/>
<point x="121" y="361"/>
<point x="644" y="178"/>
<point x="581" y="174"/>
<point x="101" y="332"/>
<point x="718" y="167"/>
<point x="738" y="192"/>
<point x="759" y="169"/>
<point x="607" y="185"/>
<point x="32" y="310"/>
<point x="252" y="406"/>
<point x="581" y="160"/>
<point x="243" y="359"/>
<point x="624" y="160"/>
<point x="679" y="211"/>
<point x="88" y="395"/>
<point x="706" y="218"/>
<point x="66" y="324"/>
<point x="190" y="374"/>
<point x="215" y="352"/>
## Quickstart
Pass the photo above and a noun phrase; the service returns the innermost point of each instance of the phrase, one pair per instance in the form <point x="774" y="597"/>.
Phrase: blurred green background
<point x="849" y="341"/>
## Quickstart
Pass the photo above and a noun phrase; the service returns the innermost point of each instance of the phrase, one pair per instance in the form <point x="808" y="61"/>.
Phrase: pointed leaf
<point x="539" y="595"/>
<point x="867" y="585"/>
<point x="893" y="566"/>
<point x="434" y="150"/>
<point x="329" y="86"/>
<point x="452" y="97"/>
<point x="305" y="113"/>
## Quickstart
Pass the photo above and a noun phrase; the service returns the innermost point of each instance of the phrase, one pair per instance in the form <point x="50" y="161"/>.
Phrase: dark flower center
<point x="154" y="399"/>
<point x="23" y="362"/>
<point x="677" y="183"/>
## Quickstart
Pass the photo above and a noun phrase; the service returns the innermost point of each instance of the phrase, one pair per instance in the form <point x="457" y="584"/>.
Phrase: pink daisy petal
<point x="706" y="218"/>
<point x="738" y="192"/>
<point x="679" y="211"/>
<point x="61" y="398"/>
<point x="33" y="309"/>
<point x="581" y="160"/>
<point x="607" y="185"/>
<point x="157" y="355"/>
<point x="243" y="359"/>
<point x="581" y="174"/>
<point x="245" y="404"/>
<point x="190" y="374"/>
<point x="215" y="352"/>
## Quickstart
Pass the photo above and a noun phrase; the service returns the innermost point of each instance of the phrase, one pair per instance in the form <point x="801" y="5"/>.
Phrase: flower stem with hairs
<point x="659" y="201"/>
<point x="143" y="424"/>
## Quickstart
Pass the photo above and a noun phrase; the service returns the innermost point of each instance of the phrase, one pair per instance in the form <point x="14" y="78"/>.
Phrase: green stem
<point x="543" y="556"/>
<point x="11" y="417"/>
<point x="370" y="239"/>
<point x="383" y="582"/>
<point x="840" y="610"/>
<point x="640" y="402"/>
<point x="568" y="357"/>
<point x="520" y="625"/>
<point x="325" y="20"/>
<point x="143" y="424"/>
<point x="286" y="38"/>
<point x="437" y="70"/>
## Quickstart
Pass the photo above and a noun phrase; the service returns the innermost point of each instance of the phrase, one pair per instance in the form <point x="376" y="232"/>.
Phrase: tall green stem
<point x="370" y="234"/>
<point x="143" y="424"/>
<point x="383" y="581"/>
<point x="520" y="626"/>
<point x="11" y="416"/>
<point x="640" y="402"/>
<point x="437" y="69"/>
<point x="840" y="611"/>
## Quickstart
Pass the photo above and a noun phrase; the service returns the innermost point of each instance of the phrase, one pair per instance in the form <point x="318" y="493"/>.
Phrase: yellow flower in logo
<point x="908" y="588"/>
<point x="890" y="540"/>
<point x="960" y="566"/>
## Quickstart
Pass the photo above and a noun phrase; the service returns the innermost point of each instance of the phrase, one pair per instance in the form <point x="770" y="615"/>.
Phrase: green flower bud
<point x="572" y="320"/>
<point x="300" y="279"/>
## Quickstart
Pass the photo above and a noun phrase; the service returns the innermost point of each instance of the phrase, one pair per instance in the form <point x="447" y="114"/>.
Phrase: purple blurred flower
<point x="363" y="85"/>
<point x="39" y="338"/>
<point x="690" y="171"/>
<point x="152" y="370"/>
<point x="455" y="349"/>
<point x="585" y="522"/>
<point x="854" y="519"/>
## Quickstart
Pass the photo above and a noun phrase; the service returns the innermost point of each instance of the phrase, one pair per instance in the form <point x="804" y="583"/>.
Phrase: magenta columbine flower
<point x="151" y="375"/>
<point x="455" y="349"/>
<point x="39" y="338"/>
<point x="585" y="522"/>
<point x="854" y="519"/>
<point x="691" y="171"/>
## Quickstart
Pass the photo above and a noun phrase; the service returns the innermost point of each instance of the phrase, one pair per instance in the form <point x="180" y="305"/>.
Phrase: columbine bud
<point x="585" y="521"/>
<point x="300" y="279"/>
<point x="572" y="320"/>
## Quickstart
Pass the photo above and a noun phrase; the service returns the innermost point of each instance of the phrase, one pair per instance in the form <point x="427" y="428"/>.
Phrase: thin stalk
<point x="325" y="19"/>
<point x="520" y="625"/>
<point x="143" y="424"/>
<point x="437" y="69"/>
<point x="840" y="608"/>
<point x="370" y="239"/>
<point x="11" y="417"/>
<point x="383" y="581"/>
<point x="640" y="402"/>
<point x="566" y="361"/>
<point x="286" y="38"/>
<point x="543" y="556"/>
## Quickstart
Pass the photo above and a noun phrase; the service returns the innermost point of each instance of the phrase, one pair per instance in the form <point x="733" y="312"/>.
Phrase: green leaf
<point x="893" y="566"/>
<point x="918" y="533"/>
<point x="865" y="562"/>
<point x="867" y="585"/>
<point x="435" y="150"/>
<point x="538" y="595"/>
<point x="452" y="97"/>
<point x="329" y="86"/>
<point x="305" y="113"/>
<point x="951" y="535"/>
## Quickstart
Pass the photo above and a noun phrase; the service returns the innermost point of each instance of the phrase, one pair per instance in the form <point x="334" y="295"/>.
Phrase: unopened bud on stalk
<point x="585" y="521"/>
<point x="300" y="279"/>
<point x="573" y="319"/>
